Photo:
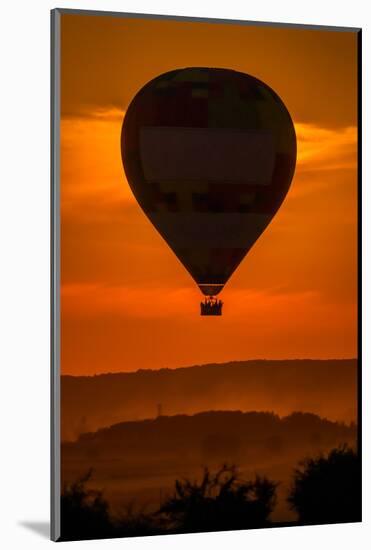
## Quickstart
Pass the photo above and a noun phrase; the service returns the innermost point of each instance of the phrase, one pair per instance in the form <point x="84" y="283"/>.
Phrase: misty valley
<point x="135" y="461"/>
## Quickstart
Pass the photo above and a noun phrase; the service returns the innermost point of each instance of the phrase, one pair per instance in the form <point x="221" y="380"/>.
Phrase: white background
<point x="24" y="272"/>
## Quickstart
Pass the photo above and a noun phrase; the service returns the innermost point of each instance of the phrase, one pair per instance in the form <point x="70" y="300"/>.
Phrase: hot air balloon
<point x="209" y="155"/>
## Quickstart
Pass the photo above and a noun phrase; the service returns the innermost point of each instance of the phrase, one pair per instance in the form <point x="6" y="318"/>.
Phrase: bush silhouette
<point x="84" y="512"/>
<point x="219" y="502"/>
<point x="327" y="489"/>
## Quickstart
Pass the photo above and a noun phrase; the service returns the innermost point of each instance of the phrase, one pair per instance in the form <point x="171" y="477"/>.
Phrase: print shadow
<point x="41" y="528"/>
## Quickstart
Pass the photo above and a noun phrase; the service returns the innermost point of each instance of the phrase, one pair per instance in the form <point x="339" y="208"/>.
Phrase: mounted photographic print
<point x="205" y="275"/>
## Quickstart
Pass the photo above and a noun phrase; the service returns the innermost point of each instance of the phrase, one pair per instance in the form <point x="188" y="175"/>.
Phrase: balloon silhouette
<point x="209" y="155"/>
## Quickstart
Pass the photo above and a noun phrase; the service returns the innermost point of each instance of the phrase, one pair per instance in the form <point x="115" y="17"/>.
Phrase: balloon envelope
<point x="209" y="155"/>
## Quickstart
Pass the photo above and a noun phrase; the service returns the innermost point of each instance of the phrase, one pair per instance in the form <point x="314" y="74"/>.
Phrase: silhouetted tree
<point x="84" y="512"/>
<point x="327" y="489"/>
<point x="220" y="502"/>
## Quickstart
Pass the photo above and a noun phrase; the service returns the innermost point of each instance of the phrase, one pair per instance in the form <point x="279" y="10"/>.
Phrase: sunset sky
<point x="127" y="302"/>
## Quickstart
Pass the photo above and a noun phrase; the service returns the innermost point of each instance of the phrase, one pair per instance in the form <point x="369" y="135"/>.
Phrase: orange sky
<point x="294" y="295"/>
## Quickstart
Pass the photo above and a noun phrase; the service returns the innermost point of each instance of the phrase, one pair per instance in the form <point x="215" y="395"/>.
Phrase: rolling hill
<point x="327" y="388"/>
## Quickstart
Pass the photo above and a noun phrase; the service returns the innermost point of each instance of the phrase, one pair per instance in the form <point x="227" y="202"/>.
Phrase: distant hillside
<point x="220" y="434"/>
<point x="327" y="388"/>
<point x="139" y="461"/>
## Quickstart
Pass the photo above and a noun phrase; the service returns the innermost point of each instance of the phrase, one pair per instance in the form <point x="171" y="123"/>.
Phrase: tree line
<point x="324" y="489"/>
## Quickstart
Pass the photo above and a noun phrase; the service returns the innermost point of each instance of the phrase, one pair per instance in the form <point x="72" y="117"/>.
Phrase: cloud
<point x="92" y="175"/>
<point x="106" y="113"/>
<point x="94" y="184"/>
<point x="152" y="302"/>
<point x="107" y="238"/>
<point x="325" y="149"/>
